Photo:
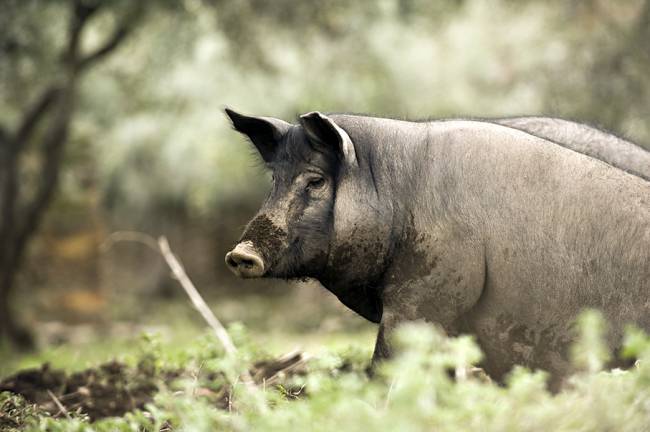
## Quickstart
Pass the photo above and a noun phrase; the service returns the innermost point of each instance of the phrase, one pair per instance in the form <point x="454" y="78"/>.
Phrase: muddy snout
<point x="245" y="261"/>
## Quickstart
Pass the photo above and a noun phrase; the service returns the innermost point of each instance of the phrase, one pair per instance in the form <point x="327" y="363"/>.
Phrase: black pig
<point x="475" y="226"/>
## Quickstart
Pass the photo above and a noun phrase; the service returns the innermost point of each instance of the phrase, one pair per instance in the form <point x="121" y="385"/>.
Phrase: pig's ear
<point x="264" y="132"/>
<point x="322" y="130"/>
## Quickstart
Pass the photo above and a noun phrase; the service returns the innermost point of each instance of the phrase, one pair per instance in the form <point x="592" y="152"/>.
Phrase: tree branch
<point x="8" y="195"/>
<point x="34" y="114"/>
<point x="53" y="146"/>
<point x="82" y="11"/>
<point x="111" y="43"/>
<point x="115" y="39"/>
<point x="7" y="175"/>
<point x="4" y="137"/>
<point x="54" y="139"/>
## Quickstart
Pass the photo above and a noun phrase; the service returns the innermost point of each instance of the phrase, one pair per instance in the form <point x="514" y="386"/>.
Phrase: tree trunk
<point x="18" y="233"/>
<point x="10" y="330"/>
<point x="20" y="217"/>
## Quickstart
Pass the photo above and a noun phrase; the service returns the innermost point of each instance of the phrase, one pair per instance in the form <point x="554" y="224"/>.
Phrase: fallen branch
<point x="269" y="372"/>
<point x="59" y="405"/>
<point x="162" y="246"/>
<point x="195" y="297"/>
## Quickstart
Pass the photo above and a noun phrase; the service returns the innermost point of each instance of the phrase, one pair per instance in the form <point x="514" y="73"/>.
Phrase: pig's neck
<point x="374" y="208"/>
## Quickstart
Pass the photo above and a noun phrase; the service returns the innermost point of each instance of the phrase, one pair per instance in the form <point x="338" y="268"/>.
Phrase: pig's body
<point x="477" y="227"/>
<point x="587" y="140"/>
<point x="496" y="233"/>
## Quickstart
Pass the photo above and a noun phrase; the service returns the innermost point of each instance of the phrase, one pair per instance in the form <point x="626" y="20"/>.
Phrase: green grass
<point x="413" y="392"/>
<point x="279" y="325"/>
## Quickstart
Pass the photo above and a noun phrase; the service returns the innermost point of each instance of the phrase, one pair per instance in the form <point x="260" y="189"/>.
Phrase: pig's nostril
<point x="247" y="263"/>
<point x="230" y="261"/>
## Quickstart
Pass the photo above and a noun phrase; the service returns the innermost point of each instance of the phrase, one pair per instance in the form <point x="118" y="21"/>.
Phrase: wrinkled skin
<point x="477" y="227"/>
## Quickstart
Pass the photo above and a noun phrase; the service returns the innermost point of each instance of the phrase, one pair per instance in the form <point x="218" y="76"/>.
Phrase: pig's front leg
<point x="395" y="313"/>
<point x="389" y="321"/>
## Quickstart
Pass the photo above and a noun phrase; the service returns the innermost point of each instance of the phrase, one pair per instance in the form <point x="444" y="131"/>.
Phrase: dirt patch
<point x="111" y="389"/>
<point x="114" y="388"/>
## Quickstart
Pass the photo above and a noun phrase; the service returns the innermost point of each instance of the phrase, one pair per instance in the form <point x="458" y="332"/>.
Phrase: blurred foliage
<point x="591" y="352"/>
<point x="305" y="317"/>
<point x="412" y="392"/>
<point x="150" y="128"/>
<point x="604" y="77"/>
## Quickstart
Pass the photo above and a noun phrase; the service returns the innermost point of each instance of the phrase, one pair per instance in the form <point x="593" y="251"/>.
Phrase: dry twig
<point x="195" y="297"/>
<point x="59" y="405"/>
<point x="162" y="246"/>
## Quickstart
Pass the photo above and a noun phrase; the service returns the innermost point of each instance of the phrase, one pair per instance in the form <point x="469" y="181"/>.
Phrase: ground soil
<point x="114" y="388"/>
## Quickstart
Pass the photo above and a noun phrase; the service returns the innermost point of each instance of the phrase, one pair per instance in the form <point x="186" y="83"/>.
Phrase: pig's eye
<point x="316" y="183"/>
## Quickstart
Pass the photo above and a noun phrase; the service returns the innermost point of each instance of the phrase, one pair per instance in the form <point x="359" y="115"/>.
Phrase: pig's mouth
<point x="245" y="261"/>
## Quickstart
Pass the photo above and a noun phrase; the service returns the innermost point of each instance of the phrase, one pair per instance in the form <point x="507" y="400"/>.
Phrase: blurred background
<point x="111" y="119"/>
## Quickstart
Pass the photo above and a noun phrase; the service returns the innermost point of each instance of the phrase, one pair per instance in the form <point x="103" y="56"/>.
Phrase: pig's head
<point x="324" y="217"/>
<point x="291" y="234"/>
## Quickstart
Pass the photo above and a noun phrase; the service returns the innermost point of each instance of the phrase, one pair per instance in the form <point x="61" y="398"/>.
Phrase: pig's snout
<point x="245" y="261"/>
